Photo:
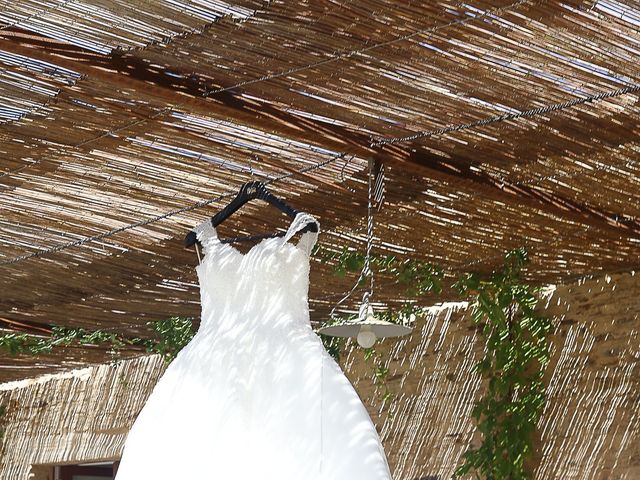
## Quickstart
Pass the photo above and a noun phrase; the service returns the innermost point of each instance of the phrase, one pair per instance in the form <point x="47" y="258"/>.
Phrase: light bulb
<point x="366" y="337"/>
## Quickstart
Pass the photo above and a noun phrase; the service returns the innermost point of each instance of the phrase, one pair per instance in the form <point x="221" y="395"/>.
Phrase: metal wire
<point x="367" y="258"/>
<point x="366" y="268"/>
<point x="380" y="73"/>
<point x="350" y="53"/>
<point x="459" y="127"/>
<point x="335" y="56"/>
<point x="500" y="118"/>
<point x="157" y="218"/>
<point x="104" y="134"/>
<point x="534" y="112"/>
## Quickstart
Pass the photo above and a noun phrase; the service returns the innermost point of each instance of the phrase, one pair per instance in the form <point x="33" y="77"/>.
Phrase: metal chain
<point x="367" y="258"/>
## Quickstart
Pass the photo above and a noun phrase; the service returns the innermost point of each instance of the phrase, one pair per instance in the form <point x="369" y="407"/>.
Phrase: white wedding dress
<point x="254" y="395"/>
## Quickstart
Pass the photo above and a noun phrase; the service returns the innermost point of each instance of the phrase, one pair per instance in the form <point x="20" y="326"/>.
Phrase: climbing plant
<point x="15" y="343"/>
<point x="380" y="375"/>
<point x="417" y="276"/>
<point x="170" y="336"/>
<point x="516" y="354"/>
<point x="334" y="345"/>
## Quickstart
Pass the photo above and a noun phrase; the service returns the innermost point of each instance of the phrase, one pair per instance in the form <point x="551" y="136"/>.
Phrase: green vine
<point x="513" y="366"/>
<point x="171" y="335"/>
<point x="334" y="345"/>
<point x="380" y="375"/>
<point x="419" y="277"/>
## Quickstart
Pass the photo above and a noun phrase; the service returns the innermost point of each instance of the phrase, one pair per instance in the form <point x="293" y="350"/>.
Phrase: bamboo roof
<point x="124" y="124"/>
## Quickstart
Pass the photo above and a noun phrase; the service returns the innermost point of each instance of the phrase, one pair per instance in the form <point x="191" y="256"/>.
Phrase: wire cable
<point x="350" y="53"/>
<point x="534" y="112"/>
<point x="525" y="114"/>
<point x="157" y="218"/>
<point x="334" y="57"/>
<point x="366" y="268"/>
<point x="500" y="118"/>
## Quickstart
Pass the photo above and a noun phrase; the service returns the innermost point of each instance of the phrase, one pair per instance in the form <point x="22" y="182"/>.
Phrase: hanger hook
<point x="252" y="157"/>
<point x="344" y="166"/>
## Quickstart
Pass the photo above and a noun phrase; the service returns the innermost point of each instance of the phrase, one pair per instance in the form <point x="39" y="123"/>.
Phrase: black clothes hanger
<point x="250" y="191"/>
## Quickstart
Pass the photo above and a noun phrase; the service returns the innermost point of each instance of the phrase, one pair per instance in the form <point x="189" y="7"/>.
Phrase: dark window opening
<point x="106" y="471"/>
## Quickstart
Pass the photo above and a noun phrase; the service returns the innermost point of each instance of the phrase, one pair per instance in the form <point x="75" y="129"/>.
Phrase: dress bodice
<point x="271" y="278"/>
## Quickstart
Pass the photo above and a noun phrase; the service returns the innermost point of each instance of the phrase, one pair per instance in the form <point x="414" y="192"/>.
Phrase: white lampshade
<point x="363" y="328"/>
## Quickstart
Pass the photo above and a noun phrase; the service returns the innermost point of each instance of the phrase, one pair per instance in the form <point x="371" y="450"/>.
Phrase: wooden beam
<point x="152" y="84"/>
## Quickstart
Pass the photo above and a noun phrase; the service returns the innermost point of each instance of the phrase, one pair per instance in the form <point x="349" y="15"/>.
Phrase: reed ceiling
<point x="500" y="124"/>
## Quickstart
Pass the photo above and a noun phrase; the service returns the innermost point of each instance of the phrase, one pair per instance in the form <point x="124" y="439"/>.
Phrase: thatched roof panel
<point x="102" y="26"/>
<point x="122" y="124"/>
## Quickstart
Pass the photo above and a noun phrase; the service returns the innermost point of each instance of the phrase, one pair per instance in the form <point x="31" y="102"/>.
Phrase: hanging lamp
<point x="367" y="328"/>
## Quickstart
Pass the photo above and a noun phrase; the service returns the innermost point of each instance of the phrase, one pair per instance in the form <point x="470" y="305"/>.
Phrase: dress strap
<point x="206" y="235"/>
<point x="308" y="239"/>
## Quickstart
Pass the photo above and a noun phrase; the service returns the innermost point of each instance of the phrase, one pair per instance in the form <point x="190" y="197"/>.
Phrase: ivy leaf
<point x="352" y="264"/>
